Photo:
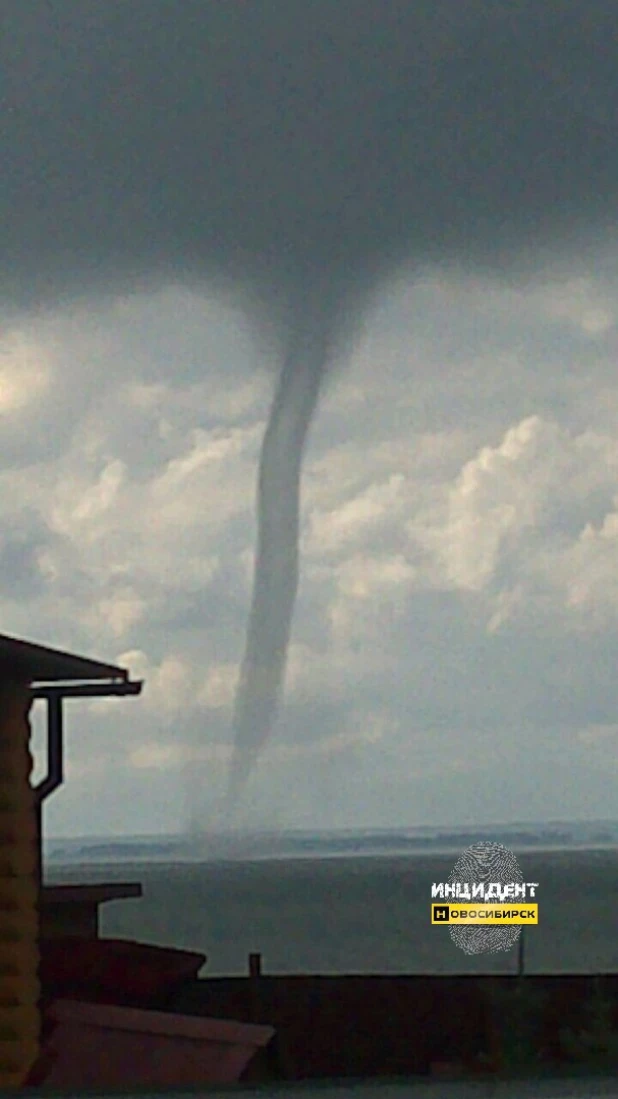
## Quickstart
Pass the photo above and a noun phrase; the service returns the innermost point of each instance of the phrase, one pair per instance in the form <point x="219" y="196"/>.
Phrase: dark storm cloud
<point x="263" y="139"/>
<point x="297" y="151"/>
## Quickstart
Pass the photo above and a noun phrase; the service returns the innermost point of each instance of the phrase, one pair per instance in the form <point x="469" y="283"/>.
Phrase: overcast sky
<point x="454" y="647"/>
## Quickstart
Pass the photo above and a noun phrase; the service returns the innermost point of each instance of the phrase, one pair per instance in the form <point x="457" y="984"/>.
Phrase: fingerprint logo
<point x="486" y="862"/>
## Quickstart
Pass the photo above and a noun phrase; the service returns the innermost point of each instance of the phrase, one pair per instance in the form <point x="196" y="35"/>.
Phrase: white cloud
<point x="219" y="688"/>
<point x="579" y="302"/>
<point x="353" y="520"/>
<point x="459" y="528"/>
<point x="86" y="769"/>
<point x="206" y="480"/>
<point x="145" y="396"/>
<point x="171" y="686"/>
<point x="585" y="573"/>
<point x="120" y="612"/>
<point x="368" y="577"/>
<point x="501" y="511"/>
<point x="599" y="734"/>
<point x="159" y="757"/>
<point x="26" y="371"/>
<point x="496" y="497"/>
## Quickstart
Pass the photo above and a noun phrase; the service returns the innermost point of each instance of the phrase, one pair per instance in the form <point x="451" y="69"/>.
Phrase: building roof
<point x="25" y="661"/>
<point x="98" y="1046"/>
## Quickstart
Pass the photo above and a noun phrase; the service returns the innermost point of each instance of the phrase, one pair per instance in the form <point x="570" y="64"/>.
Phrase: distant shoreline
<point x="302" y="845"/>
<point x="104" y="854"/>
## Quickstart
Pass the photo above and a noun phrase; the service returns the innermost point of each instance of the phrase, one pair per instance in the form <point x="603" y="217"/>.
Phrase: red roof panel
<point x="99" y="1046"/>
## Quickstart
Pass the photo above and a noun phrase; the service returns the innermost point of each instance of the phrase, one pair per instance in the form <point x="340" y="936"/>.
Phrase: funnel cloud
<point x="312" y="340"/>
<point x="298" y="154"/>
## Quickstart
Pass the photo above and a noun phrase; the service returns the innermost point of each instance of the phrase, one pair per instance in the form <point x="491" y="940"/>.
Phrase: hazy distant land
<point x="306" y="844"/>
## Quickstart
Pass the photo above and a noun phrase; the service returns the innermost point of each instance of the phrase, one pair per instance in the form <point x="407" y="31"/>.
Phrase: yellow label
<point x="486" y="914"/>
